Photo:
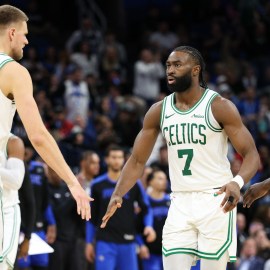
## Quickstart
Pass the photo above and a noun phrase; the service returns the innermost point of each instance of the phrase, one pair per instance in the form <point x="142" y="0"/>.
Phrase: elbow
<point x="37" y="139"/>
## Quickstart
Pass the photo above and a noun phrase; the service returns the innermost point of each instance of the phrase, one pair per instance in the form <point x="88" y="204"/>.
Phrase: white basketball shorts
<point x="12" y="223"/>
<point x="197" y="225"/>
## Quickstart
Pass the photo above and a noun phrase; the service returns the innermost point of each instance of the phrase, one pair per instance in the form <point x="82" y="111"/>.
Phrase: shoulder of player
<point x="153" y="114"/>
<point x="14" y="72"/>
<point x="100" y="179"/>
<point x="14" y="67"/>
<point x="223" y="109"/>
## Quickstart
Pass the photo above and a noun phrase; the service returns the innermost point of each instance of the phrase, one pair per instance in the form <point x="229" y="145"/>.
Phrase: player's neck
<point x="87" y="176"/>
<point x="114" y="175"/>
<point x="186" y="100"/>
<point x="4" y="48"/>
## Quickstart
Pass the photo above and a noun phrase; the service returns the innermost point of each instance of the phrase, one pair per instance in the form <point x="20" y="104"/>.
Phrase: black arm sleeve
<point x="27" y="204"/>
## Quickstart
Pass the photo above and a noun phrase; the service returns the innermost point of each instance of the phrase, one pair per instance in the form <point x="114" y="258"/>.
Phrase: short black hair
<point x="197" y="57"/>
<point x="151" y="175"/>
<point x="113" y="147"/>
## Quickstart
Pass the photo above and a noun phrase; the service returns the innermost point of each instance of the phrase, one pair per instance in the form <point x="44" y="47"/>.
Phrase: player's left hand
<point x="231" y="197"/>
<point x="82" y="200"/>
<point x="150" y="234"/>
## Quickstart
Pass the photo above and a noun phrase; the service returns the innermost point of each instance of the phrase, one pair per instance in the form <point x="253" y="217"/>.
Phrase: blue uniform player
<point x="151" y="253"/>
<point x="115" y="246"/>
<point x="44" y="221"/>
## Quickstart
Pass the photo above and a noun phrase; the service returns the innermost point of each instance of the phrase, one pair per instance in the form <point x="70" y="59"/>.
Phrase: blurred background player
<point x="151" y="253"/>
<point x="115" y="246"/>
<point x="89" y="169"/>
<point x="45" y="224"/>
<point x="67" y="222"/>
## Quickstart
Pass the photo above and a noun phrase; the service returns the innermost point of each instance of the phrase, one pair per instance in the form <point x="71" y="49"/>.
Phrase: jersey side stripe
<point x="208" y="106"/>
<point x="163" y="111"/>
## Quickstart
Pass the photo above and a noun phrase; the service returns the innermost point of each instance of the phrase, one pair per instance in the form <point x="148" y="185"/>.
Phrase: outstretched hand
<point x="231" y="197"/>
<point x="253" y="193"/>
<point x="82" y="200"/>
<point x="114" y="204"/>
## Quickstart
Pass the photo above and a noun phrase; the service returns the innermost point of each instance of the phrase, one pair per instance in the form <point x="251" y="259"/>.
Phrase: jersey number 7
<point x="189" y="154"/>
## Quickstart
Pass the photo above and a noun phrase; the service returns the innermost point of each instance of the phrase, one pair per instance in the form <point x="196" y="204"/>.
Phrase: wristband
<point x="239" y="180"/>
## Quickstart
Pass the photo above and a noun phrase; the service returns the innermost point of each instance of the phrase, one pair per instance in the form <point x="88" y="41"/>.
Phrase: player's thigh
<point x="179" y="234"/>
<point x="220" y="264"/>
<point x="178" y="261"/>
<point x="216" y="232"/>
<point x="127" y="256"/>
<point x="106" y="256"/>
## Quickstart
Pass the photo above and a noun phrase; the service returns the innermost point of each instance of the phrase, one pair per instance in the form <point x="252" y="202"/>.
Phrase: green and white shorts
<point x="12" y="223"/>
<point x="197" y="225"/>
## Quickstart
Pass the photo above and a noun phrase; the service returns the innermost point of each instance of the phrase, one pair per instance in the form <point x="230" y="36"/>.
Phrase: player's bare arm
<point x="229" y="118"/>
<point x="255" y="192"/>
<point x="18" y="85"/>
<point x="134" y="167"/>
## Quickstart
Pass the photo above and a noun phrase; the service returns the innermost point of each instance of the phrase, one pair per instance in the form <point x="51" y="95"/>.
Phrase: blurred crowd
<point x="93" y="87"/>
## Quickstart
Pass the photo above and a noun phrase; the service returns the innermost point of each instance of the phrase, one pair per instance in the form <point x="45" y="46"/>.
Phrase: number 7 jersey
<point x="197" y="145"/>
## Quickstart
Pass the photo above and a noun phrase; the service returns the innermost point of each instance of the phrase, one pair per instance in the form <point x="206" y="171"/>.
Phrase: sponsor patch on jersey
<point x="197" y="116"/>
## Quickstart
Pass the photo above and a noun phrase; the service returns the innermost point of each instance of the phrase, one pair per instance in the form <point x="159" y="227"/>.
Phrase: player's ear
<point x="196" y="70"/>
<point x="11" y="33"/>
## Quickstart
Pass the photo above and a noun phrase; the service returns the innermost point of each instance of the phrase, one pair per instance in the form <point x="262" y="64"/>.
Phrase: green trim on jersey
<point x="233" y="258"/>
<point x="192" y="108"/>
<point x="5" y="62"/>
<point x="205" y="255"/>
<point x="163" y="111"/>
<point x="207" y="109"/>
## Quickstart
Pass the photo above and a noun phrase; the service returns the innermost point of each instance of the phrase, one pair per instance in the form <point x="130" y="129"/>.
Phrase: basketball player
<point x="196" y="123"/>
<point x="12" y="175"/>
<point x="16" y="92"/>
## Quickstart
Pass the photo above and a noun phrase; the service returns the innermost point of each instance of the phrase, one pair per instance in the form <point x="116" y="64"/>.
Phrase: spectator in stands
<point x="76" y="96"/>
<point x="248" y="258"/>
<point x="148" y="71"/>
<point x="86" y="32"/>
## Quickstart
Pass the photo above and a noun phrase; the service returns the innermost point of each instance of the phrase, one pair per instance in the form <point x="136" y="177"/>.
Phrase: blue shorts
<point x="35" y="260"/>
<point x="110" y="256"/>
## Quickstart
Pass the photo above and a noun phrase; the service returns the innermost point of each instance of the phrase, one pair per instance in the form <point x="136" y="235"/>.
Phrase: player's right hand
<point x="114" y="204"/>
<point x="82" y="200"/>
<point x="253" y="193"/>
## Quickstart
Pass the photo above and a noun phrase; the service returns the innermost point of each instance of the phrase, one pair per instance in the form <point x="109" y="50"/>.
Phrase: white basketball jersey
<point x="197" y="145"/>
<point x="7" y="109"/>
